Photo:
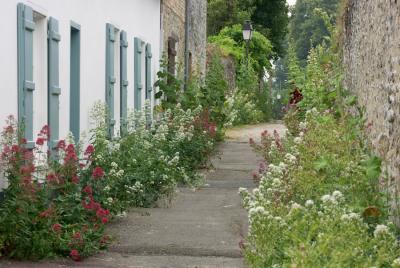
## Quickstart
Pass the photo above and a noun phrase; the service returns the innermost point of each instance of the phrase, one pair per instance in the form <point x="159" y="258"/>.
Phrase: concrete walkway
<point x="202" y="228"/>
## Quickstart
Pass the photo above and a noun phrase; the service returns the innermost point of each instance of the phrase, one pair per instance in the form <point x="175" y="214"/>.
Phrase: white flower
<point x="350" y="216"/>
<point x="337" y="195"/>
<point x="256" y="191"/>
<point x="290" y="158"/>
<point x="303" y="125"/>
<point x="295" y="206"/>
<point x="381" y="229"/>
<point x="110" y="200"/>
<point x="107" y="188"/>
<point x="328" y="199"/>
<point x="114" y="165"/>
<point x="242" y="190"/>
<point x="276" y="182"/>
<point x="396" y="263"/>
<point x="298" y="140"/>
<point x="309" y="203"/>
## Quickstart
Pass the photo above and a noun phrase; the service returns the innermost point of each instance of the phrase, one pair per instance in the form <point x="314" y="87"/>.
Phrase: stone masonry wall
<point x="173" y="20"/>
<point x="198" y="35"/>
<point x="371" y="57"/>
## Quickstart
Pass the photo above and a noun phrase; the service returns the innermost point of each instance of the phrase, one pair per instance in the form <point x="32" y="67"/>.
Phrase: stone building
<point x="184" y="35"/>
<point x="371" y="55"/>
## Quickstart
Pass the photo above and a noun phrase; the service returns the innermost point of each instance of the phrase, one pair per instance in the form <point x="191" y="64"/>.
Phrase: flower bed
<point x="319" y="203"/>
<point x="57" y="203"/>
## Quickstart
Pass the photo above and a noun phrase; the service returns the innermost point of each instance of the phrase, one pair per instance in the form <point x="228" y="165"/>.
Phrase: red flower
<point x="46" y="213"/>
<point x="98" y="173"/>
<point x="45" y="131"/>
<point x="76" y="235"/>
<point x="23" y="141"/>
<point x="61" y="144"/>
<point x="88" y="190"/>
<point x="56" y="227"/>
<point x="89" y="150"/>
<point x="15" y="148"/>
<point x="75" y="255"/>
<point x="40" y="141"/>
<point x="51" y="177"/>
<point x="104" y="220"/>
<point x="75" y="179"/>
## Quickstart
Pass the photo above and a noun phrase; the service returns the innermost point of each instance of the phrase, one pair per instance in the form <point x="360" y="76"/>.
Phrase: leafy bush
<point x="49" y="208"/>
<point x="318" y="203"/>
<point x="59" y="205"/>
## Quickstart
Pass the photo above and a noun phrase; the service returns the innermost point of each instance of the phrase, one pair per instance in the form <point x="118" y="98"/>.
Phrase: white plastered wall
<point x="139" y="18"/>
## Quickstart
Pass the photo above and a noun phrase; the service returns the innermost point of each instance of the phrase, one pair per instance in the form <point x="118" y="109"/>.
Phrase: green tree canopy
<point x="270" y="17"/>
<point x="307" y="28"/>
<point x="231" y="42"/>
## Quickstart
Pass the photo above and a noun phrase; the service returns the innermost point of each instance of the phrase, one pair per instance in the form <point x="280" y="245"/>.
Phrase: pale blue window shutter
<point x="54" y="89"/>
<point x="110" y="77"/>
<point x="26" y="85"/>
<point x="124" y="82"/>
<point x="75" y="86"/>
<point x="138" y="74"/>
<point x="149" y="85"/>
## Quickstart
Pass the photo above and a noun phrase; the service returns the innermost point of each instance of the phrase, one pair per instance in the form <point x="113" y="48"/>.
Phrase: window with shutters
<point x="172" y="55"/>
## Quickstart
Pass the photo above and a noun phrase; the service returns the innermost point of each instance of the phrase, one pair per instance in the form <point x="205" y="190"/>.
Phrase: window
<point x="75" y="87"/>
<point x="171" y="55"/>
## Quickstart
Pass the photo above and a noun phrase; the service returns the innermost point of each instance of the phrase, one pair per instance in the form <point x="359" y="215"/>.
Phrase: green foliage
<point x="169" y="87"/>
<point x="249" y="104"/>
<point x="214" y="92"/>
<point x="269" y="17"/>
<point x="59" y="206"/>
<point x="307" y="28"/>
<point x="319" y="203"/>
<point x="222" y="13"/>
<point x="230" y="40"/>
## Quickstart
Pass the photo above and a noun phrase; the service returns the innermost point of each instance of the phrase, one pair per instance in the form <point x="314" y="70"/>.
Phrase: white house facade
<point x="58" y="57"/>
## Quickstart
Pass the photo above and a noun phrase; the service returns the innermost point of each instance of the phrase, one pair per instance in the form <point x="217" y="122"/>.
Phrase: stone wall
<point x="173" y="24"/>
<point x="371" y="56"/>
<point x="198" y="35"/>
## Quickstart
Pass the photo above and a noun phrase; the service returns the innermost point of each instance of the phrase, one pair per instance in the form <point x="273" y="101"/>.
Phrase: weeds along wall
<point x="371" y="57"/>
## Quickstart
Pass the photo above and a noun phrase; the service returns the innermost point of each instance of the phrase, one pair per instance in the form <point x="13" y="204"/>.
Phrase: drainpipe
<point x="187" y="17"/>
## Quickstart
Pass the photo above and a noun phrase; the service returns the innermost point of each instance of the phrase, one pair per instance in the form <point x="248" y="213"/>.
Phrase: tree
<point x="223" y="13"/>
<point x="270" y="18"/>
<point x="231" y="42"/>
<point x="307" y="28"/>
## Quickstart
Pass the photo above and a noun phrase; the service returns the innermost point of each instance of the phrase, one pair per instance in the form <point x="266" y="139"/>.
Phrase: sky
<point x="291" y="2"/>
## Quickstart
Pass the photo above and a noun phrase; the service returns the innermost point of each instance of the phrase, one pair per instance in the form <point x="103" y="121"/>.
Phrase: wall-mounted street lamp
<point x="247" y="35"/>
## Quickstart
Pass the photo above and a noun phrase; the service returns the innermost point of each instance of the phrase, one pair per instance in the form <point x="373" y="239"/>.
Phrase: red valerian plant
<point x="48" y="199"/>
